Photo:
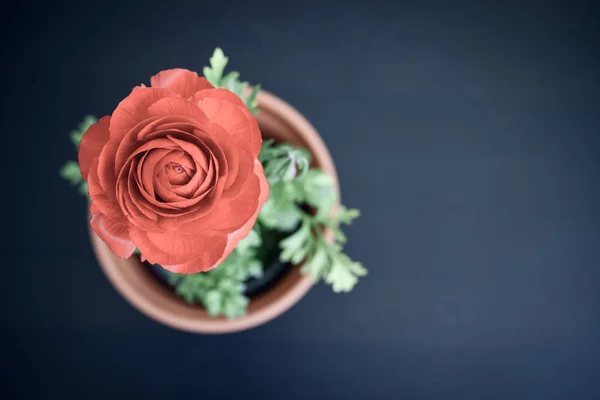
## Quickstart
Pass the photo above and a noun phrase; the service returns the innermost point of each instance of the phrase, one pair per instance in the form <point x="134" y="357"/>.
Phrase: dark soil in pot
<point x="273" y="269"/>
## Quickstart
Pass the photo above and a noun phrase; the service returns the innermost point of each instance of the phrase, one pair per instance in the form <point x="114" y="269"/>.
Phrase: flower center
<point x="175" y="167"/>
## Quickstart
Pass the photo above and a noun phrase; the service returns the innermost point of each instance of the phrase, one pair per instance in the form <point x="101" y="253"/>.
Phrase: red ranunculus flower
<point x="174" y="172"/>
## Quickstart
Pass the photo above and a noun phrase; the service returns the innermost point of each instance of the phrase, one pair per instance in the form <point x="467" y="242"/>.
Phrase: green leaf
<point x="230" y="77"/>
<point x="221" y="290"/>
<point x="343" y="274"/>
<point x="280" y="211"/>
<point x="252" y="241"/>
<point x="318" y="264"/>
<point x="255" y="269"/>
<point x="266" y="150"/>
<point x="346" y="215"/>
<point x="339" y="235"/>
<point x="214" y="73"/>
<point x="280" y="215"/>
<point x="213" y="302"/>
<point x="324" y="208"/>
<point x="297" y="246"/>
<point x="318" y="191"/>
<point x="70" y="171"/>
<point x="235" y="306"/>
<point x="284" y="162"/>
<point x="83" y="189"/>
<point x="236" y="87"/>
<point x="230" y="285"/>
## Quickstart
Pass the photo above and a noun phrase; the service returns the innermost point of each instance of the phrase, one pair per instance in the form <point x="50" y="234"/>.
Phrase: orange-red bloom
<point x="174" y="172"/>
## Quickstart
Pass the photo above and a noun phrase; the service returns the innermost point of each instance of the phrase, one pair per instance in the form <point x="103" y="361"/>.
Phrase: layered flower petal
<point x="134" y="109"/>
<point x="114" y="234"/>
<point x="174" y="172"/>
<point x="172" y="248"/>
<point x="227" y="110"/>
<point x="183" y="82"/>
<point x="234" y="238"/>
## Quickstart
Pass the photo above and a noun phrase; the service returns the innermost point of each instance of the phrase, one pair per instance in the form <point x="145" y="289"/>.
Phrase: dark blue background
<point x="467" y="133"/>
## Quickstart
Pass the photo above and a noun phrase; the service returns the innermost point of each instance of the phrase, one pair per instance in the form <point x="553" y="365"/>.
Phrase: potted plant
<point x="214" y="206"/>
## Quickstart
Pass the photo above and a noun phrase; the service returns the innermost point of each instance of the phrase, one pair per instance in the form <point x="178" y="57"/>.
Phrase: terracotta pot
<point x="279" y="121"/>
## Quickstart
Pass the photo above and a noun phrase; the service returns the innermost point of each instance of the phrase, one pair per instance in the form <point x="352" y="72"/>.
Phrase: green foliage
<point x="343" y="273"/>
<point x="221" y="290"/>
<point x="214" y="74"/>
<point x="323" y="261"/>
<point x="284" y="165"/>
<point x="299" y="244"/>
<point x="284" y="162"/>
<point x="283" y="211"/>
<point x="280" y="211"/>
<point x="70" y="171"/>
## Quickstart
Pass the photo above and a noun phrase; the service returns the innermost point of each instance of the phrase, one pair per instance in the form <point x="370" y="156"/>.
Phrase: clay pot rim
<point x="152" y="304"/>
